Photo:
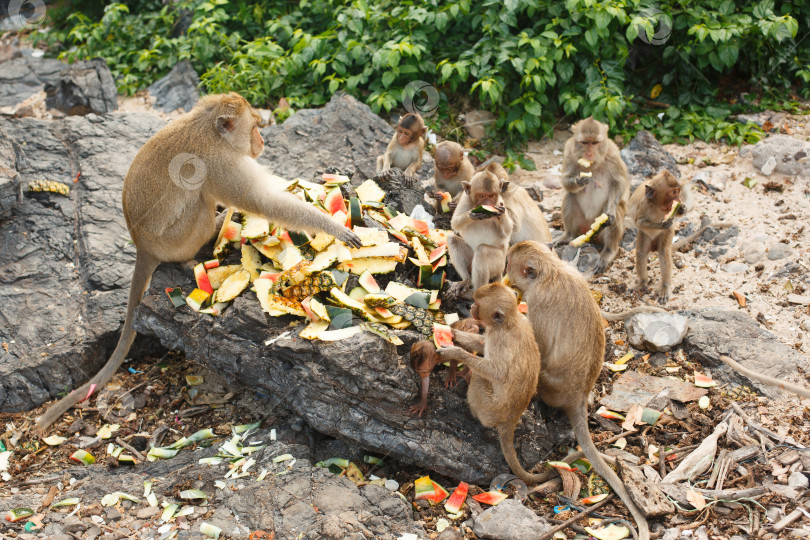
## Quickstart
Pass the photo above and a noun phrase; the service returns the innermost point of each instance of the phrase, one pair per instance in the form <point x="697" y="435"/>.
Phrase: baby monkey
<point x="424" y="359"/>
<point x="405" y="149"/>
<point x="653" y="206"/>
<point x="451" y="170"/>
<point x="504" y="378"/>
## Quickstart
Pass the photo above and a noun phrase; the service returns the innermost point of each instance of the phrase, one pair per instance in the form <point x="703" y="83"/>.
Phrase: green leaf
<point x="388" y="77"/>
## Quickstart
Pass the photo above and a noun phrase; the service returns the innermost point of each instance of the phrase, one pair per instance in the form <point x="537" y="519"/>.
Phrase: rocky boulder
<point x="645" y="156"/>
<point x="25" y="75"/>
<point x="82" y="88"/>
<point x="783" y="154"/>
<point x="178" y="89"/>
<point x="714" y="332"/>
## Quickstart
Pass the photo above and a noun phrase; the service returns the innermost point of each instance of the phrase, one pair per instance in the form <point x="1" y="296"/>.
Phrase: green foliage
<point x="528" y="61"/>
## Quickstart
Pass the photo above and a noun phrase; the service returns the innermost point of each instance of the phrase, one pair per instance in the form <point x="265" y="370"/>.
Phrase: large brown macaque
<point x="202" y="158"/>
<point x="568" y="329"/>
<point x="451" y="169"/>
<point x="595" y="180"/>
<point x="478" y="248"/>
<point x="404" y="152"/>
<point x="650" y="208"/>
<point x="530" y="223"/>
<point x="423" y="359"/>
<point x="504" y="378"/>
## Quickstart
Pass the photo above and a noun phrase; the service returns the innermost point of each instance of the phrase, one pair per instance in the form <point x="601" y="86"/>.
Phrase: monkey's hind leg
<point x="610" y="237"/>
<point x="642" y="256"/>
<point x="665" y="258"/>
<point x="573" y="219"/>
<point x="487" y="265"/>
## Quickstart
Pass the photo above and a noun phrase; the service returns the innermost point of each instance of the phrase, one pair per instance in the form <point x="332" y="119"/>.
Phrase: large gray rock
<point x="24" y="76"/>
<point x="82" y="88"/>
<point x="645" y="156"/>
<point x="714" y="332"/>
<point x="178" y="89"/>
<point x="788" y="155"/>
<point x="302" y="501"/>
<point x="10" y="186"/>
<point x="357" y="390"/>
<point x="344" y="134"/>
<point x="509" y="520"/>
<point x="66" y="263"/>
<point x="657" y="332"/>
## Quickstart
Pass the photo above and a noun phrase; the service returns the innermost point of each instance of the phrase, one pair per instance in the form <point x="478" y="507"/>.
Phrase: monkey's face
<point x="491" y="198"/>
<point x="448" y="169"/>
<point x="522" y="266"/>
<point x="671" y="195"/>
<point x="588" y="148"/>
<point x="404" y="136"/>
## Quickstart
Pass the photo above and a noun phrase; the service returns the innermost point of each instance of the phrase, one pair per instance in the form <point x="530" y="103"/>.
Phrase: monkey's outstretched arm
<point x="480" y="366"/>
<point x="253" y="190"/>
<point x="468" y="341"/>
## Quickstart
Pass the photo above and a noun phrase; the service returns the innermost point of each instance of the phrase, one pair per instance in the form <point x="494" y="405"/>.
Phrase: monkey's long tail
<point x="145" y="265"/>
<point x="782" y="385"/>
<point x="506" y="434"/>
<point x="612" y="317"/>
<point x="579" y="423"/>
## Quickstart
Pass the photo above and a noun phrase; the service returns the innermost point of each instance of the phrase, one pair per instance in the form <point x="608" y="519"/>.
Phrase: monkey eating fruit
<point x="568" y="329"/>
<point x="504" y="378"/>
<point x="205" y="157"/>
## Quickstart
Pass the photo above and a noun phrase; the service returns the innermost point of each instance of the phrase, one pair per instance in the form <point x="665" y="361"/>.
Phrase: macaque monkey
<point x="568" y="329"/>
<point x="405" y="149"/>
<point x="530" y="223"/>
<point x="424" y="359"/>
<point x="170" y="207"/>
<point x="504" y="378"/>
<point x="451" y="169"/>
<point x="595" y="180"/>
<point x="650" y="207"/>
<point x="478" y="247"/>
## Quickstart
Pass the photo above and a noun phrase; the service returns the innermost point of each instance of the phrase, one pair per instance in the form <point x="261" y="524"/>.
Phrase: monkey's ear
<point x="498" y="316"/>
<point x="649" y="192"/>
<point x="530" y="271"/>
<point x="226" y="124"/>
<point x="504" y="186"/>
<point x="466" y="186"/>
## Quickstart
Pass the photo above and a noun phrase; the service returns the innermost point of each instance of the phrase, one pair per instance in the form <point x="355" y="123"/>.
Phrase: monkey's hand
<point x="449" y="354"/>
<point x="452" y="376"/>
<point x="452" y="205"/>
<point x="610" y="220"/>
<point x="681" y="210"/>
<point x="418" y="408"/>
<point x="583" y="181"/>
<point x="409" y="179"/>
<point x="486" y="215"/>
<point x="433" y="194"/>
<point x="667" y="223"/>
<point x="662" y="297"/>
<point x="347" y="236"/>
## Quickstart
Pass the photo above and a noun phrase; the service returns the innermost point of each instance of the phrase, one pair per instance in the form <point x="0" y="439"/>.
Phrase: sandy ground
<point x="767" y="217"/>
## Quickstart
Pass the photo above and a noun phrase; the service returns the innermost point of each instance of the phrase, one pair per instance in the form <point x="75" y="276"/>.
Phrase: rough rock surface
<point x="510" y="520"/>
<point x="789" y="155"/>
<point x="24" y="76"/>
<point x="178" y="89"/>
<point x="645" y="156"/>
<point x="65" y="265"/>
<point x="82" y="88"/>
<point x="10" y="186"/>
<point x="657" y="332"/>
<point x="714" y="332"/>
<point x="290" y="501"/>
<point x="344" y="134"/>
